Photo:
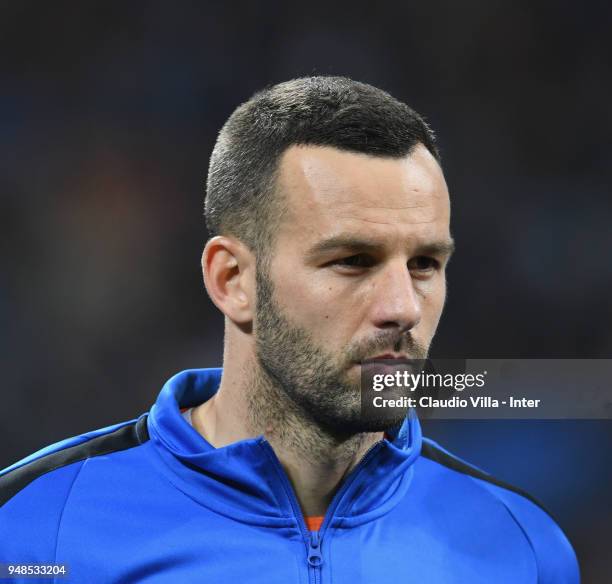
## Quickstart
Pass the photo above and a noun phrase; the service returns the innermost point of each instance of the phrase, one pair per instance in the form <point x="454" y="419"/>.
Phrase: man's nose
<point x="396" y="303"/>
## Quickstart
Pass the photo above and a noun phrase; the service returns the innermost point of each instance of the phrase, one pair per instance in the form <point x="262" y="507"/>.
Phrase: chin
<point x="346" y="427"/>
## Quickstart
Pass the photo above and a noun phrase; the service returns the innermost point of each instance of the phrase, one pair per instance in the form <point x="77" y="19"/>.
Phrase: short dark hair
<point x="317" y="111"/>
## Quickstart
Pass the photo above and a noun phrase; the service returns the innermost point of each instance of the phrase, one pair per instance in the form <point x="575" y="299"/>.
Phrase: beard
<point x="299" y="379"/>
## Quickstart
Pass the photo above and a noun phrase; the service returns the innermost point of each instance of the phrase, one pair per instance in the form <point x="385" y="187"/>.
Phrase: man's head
<point x="242" y="197"/>
<point x="333" y="222"/>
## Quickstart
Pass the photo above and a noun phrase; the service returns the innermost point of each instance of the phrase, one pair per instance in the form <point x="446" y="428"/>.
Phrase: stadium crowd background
<point x="109" y="111"/>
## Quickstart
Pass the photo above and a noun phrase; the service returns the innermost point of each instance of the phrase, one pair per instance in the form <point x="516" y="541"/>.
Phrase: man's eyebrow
<point x="359" y="244"/>
<point x="440" y="248"/>
<point x="344" y="242"/>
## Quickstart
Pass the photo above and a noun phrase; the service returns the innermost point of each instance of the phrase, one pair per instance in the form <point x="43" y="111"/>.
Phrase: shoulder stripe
<point x="439" y="455"/>
<point x="121" y="439"/>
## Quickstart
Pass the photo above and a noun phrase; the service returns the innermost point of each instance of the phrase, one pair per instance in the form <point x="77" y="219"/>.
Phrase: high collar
<point x="244" y="480"/>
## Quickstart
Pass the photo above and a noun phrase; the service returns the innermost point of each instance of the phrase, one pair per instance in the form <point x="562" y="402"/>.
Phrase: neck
<point x="315" y="460"/>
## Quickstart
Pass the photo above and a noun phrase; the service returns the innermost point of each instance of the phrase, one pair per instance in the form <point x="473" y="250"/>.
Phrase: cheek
<point x="433" y="304"/>
<point x="323" y="308"/>
<point x="320" y="306"/>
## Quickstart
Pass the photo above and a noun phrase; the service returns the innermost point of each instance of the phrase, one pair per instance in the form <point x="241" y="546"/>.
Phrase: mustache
<point x="388" y="341"/>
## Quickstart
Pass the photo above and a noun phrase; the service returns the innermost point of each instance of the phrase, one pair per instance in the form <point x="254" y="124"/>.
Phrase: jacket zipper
<point x="315" y="559"/>
<point x="314" y="539"/>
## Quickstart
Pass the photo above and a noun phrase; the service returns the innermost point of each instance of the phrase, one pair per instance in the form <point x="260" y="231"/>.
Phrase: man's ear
<point x="228" y="267"/>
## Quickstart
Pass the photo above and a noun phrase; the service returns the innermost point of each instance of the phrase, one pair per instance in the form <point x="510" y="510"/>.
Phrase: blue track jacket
<point x="150" y="500"/>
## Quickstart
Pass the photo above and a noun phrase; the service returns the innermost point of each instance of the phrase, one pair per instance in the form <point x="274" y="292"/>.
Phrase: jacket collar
<point x="245" y="481"/>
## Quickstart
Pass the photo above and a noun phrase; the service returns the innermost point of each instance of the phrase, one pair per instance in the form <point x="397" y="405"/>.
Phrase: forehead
<point x="329" y="192"/>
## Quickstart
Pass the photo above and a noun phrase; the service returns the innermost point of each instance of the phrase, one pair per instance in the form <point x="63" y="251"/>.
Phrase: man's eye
<point x="355" y="261"/>
<point x="423" y="264"/>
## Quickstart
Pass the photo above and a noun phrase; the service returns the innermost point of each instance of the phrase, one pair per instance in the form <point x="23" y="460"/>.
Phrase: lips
<point x="387" y="357"/>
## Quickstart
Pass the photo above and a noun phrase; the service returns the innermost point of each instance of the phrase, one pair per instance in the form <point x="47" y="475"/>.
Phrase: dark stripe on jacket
<point x="121" y="439"/>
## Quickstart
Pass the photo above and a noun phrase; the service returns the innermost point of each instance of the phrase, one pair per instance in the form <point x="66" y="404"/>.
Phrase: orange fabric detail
<point x="314" y="522"/>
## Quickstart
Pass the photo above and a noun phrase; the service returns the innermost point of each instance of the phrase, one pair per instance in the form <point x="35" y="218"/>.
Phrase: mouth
<point x="396" y="357"/>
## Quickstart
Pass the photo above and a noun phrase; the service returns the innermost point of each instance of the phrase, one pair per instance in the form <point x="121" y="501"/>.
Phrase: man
<point x="329" y="217"/>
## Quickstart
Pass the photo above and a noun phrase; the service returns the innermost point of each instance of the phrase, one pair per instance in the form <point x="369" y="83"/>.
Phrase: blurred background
<point x="109" y="112"/>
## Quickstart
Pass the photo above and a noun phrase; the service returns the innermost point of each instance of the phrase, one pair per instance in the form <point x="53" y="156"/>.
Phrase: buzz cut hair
<point x="241" y="194"/>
